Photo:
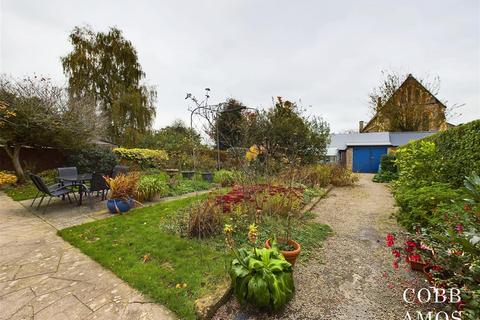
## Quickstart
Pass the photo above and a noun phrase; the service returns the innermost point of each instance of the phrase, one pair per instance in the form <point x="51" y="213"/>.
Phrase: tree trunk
<point x="15" y="157"/>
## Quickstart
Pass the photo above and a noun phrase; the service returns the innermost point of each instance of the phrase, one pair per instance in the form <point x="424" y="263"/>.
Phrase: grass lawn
<point x="141" y="248"/>
<point x="122" y="243"/>
<point x="21" y="192"/>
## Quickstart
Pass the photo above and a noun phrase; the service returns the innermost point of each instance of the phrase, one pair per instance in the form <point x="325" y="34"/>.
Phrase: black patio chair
<point x="57" y="190"/>
<point x="67" y="172"/>
<point x="99" y="184"/>
<point x="119" y="170"/>
<point x="50" y="187"/>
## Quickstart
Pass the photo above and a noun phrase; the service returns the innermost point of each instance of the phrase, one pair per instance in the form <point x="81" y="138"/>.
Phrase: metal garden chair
<point x="58" y="190"/>
<point x="67" y="172"/>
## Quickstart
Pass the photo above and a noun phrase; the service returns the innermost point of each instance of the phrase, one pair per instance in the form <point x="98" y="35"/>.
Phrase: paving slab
<point x="44" y="277"/>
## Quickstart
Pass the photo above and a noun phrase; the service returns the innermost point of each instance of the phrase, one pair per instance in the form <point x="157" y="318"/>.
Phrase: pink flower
<point x="459" y="228"/>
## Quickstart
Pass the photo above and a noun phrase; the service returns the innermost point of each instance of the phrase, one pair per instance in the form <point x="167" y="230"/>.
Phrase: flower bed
<point x="243" y="193"/>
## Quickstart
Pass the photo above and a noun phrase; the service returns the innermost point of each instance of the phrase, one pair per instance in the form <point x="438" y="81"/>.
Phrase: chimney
<point x="360" y="126"/>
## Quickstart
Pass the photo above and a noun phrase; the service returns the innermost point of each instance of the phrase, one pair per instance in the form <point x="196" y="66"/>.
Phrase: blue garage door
<point x="367" y="159"/>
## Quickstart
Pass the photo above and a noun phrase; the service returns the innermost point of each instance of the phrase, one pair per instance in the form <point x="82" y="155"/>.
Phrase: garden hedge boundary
<point x="458" y="151"/>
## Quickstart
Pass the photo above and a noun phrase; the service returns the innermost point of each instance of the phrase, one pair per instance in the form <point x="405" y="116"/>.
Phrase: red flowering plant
<point x="412" y="251"/>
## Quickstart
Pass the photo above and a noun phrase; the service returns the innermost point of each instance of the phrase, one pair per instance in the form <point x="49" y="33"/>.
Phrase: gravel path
<point x="352" y="276"/>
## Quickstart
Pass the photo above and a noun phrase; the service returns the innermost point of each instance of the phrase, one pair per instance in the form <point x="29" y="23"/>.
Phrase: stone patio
<point x="44" y="277"/>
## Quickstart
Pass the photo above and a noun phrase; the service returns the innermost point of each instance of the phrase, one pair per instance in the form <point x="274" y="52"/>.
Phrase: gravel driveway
<point x="352" y="276"/>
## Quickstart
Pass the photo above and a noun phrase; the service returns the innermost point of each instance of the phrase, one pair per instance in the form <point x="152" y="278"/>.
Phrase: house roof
<point x="409" y="78"/>
<point x="343" y="140"/>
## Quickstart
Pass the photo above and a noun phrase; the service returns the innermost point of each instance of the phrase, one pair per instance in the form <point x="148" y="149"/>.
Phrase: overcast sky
<point x="326" y="54"/>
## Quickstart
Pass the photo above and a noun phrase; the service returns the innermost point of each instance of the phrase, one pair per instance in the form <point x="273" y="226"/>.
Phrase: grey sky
<point x="328" y="54"/>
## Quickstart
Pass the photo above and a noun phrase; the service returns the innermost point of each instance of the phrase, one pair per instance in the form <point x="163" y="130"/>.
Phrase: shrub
<point x="450" y="245"/>
<point x="142" y="158"/>
<point x="418" y="205"/>
<point x="388" y="163"/>
<point x="123" y="186"/>
<point x="318" y="175"/>
<point x="150" y="186"/>
<point x="50" y="175"/>
<point x="225" y="177"/>
<point x="447" y="156"/>
<point x="388" y="169"/>
<point x="7" y="178"/>
<point x="459" y="151"/>
<point x="93" y="158"/>
<point x="385" y="176"/>
<point x="417" y="164"/>
<point x="281" y="204"/>
<point x="205" y="219"/>
<point x="341" y="176"/>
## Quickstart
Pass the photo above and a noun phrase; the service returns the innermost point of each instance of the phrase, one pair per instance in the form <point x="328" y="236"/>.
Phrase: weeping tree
<point x="36" y="113"/>
<point x="105" y="66"/>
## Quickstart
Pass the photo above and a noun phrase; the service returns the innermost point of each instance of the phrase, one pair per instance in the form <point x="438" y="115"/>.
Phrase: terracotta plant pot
<point x="427" y="272"/>
<point x="418" y="266"/>
<point x="290" y="256"/>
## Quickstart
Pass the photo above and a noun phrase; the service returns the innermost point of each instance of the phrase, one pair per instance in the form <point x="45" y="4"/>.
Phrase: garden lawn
<point x="143" y="248"/>
<point x="171" y="270"/>
<point x="21" y="192"/>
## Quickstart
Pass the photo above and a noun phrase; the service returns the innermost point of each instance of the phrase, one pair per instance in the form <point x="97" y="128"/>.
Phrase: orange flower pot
<point x="290" y="256"/>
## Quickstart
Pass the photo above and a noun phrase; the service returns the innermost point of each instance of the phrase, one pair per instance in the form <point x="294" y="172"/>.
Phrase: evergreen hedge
<point x="457" y="153"/>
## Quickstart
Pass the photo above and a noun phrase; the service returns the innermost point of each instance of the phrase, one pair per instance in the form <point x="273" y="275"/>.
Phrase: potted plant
<point x="207" y="176"/>
<point x="261" y="277"/>
<point x="207" y="165"/>
<point x="188" y="174"/>
<point x="122" y="191"/>
<point x="413" y="252"/>
<point x="289" y="248"/>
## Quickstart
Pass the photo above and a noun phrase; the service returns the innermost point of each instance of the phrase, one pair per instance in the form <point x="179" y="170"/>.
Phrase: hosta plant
<point x="261" y="277"/>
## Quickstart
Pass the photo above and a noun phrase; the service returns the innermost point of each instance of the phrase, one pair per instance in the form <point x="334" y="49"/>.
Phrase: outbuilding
<point x="361" y="152"/>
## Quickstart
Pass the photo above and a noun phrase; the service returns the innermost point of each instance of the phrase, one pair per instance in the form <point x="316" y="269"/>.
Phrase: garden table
<point x="78" y="180"/>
